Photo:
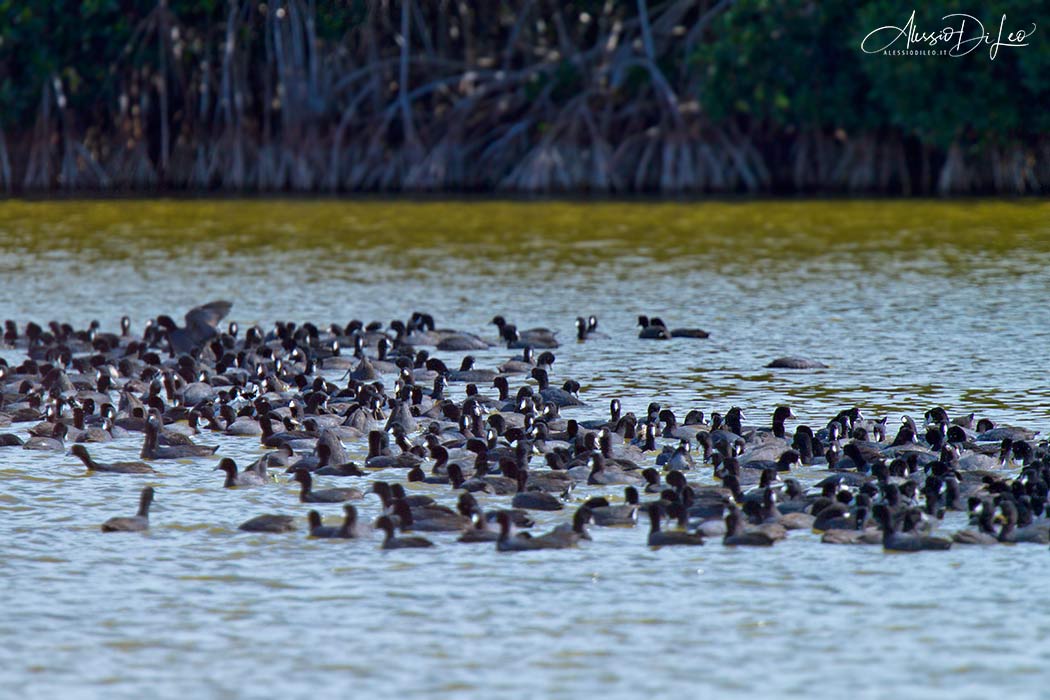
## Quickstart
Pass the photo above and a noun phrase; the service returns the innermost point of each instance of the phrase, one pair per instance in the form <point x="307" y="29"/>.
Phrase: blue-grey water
<point x="911" y="304"/>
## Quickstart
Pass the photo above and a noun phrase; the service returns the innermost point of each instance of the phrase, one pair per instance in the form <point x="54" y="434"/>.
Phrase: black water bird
<point x="135" y="523"/>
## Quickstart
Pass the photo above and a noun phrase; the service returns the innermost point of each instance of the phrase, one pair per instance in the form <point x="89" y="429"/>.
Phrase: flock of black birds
<point x="292" y="389"/>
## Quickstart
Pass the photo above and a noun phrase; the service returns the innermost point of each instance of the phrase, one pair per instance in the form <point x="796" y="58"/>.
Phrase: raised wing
<point x="202" y="320"/>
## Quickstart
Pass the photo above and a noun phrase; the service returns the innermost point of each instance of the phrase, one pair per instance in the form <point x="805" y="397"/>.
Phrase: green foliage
<point x="773" y="67"/>
<point x="969" y="98"/>
<point x="76" y="42"/>
<point x="791" y="64"/>
<point x="783" y="63"/>
<point x="335" y="19"/>
<point x="90" y="44"/>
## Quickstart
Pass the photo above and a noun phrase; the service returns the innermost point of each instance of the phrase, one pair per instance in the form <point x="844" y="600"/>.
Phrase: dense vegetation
<point x="519" y="95"/>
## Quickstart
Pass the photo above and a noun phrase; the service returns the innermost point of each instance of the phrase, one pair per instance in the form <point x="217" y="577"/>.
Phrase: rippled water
<point x="911" y="304"/>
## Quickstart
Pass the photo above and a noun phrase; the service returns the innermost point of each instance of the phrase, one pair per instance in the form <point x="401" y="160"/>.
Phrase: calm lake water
<point x="911" y="304"/>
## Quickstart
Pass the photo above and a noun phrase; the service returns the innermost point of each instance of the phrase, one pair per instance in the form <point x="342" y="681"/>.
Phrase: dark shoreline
<point x="494" y="99"/>
<point x="508" y="197"/>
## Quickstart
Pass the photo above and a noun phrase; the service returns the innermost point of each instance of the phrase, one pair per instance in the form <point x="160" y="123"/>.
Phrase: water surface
<point x="911" y="304"/>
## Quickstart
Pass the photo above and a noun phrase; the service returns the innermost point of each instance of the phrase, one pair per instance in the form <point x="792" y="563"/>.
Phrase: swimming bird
<point x="655" y="329"/>
<point x="770" y="513"/>
<point x="652" y="480"/>
<point x="859" y="534"/>
<point x="737" y="534"/>
<point x="467" y="372"/>
<point x="905" y="541"/>
<point x="615" y="414"/>
<point x="429" y="519"/>
<point x="151" y="449"/>
<point x="135" y="523"/>
<point x="651" y="331"/>
<point x="344" y="531"/>
<point x="796" y="363"/>
<point x="521" y="365"/>
<point x="269" y="523"/>
<point x="587" y="328"/>
<point x="252" y="476"/>
<point x="985" y="532"/>
<point x="560" y="397"/>
<point x="679" y="459"/>
<point x="566" y="535"/>
<point x="785" y="462"/>
<point x="308" y="495"/>
<point x="385" y="524"/>
<point x="603" y="473"/>
<point x="542" y="338"/>
<point x="661" y="538"/>
<point x="606" y="515"/>
<point x="509" y="541"/>
<point x="10" y="440"/>
<point x="561" y="537"/>
<point x="1009" y="532"/>
<point x="345" y="469"/>
<point x="82" y="454"/>
<point x="533" y="500"/>
<point x="480" y="532"/>
<point x="55" y="442"/>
